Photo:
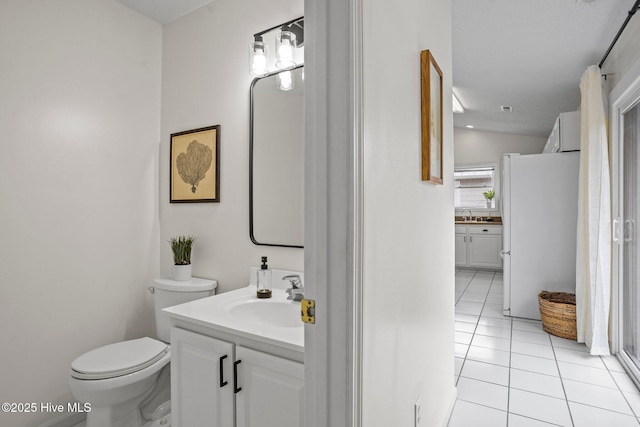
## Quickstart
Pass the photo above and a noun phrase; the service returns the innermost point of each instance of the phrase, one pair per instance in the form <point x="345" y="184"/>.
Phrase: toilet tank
<point x="169" y="292"/>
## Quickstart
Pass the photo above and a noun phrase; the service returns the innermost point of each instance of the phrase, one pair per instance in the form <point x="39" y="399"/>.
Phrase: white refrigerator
<point x="539" y="216"/>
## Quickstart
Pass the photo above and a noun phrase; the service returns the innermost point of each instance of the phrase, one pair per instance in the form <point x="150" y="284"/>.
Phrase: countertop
<point x="496" y="221"/>
<point x="213" y="313"/>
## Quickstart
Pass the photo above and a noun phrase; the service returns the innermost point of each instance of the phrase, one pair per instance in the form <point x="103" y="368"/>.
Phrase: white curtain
<point x="593" y="260"/>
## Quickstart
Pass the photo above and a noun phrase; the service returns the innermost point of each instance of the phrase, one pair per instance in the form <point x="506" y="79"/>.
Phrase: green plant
<point x="181" y="247"/>
<point x="489" y="195"/>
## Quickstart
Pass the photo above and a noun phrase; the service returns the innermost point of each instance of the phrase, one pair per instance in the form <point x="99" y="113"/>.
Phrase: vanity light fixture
<point x="284" y="39"/>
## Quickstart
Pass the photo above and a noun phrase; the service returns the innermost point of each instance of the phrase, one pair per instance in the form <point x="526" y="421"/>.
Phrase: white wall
<point x="409" y="246"/>
<point x="205" y="81"/>
<point x="476" y="146"/>
<point x="79" y="118"/>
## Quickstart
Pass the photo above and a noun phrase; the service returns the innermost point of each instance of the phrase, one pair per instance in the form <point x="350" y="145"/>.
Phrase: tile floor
<point x="509" y="372"/>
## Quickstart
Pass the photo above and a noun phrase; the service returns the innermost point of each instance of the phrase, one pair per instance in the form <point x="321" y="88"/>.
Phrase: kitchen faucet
<point x="464" y="218"/>
<point x="296" y="291"/>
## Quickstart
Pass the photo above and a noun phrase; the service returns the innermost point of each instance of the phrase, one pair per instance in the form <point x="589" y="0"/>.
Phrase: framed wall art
<point x="431" y="95"/>
<point x="194" y="172"/>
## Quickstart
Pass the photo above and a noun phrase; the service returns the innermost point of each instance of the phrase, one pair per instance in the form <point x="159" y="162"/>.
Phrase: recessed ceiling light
<point x="506" y="108"/>
<point x="469" y="126"/>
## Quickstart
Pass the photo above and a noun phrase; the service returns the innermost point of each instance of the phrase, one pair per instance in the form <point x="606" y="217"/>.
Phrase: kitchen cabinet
<point x="565" y="135"/>
<point x="216" y="383"/>
<point x="461" y="246"/>
<point x="478" y="246"/>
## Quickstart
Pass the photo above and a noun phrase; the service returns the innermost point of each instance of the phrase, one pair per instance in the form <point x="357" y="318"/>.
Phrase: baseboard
<point x="451" y="402"/>
<point x="68" y="420"/>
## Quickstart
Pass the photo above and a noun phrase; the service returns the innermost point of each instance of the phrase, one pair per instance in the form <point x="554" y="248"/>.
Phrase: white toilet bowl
<point x="117" y="378"/>
<point x="128" y="383"/>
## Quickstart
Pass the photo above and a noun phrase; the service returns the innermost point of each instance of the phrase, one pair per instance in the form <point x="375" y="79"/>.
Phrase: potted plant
<point x="488" y="196"/>
<point x="181" y="248"/>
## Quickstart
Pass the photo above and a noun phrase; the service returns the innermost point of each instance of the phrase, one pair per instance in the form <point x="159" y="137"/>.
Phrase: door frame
<point x="334" y="184"/>
<point x="622" y="98"/>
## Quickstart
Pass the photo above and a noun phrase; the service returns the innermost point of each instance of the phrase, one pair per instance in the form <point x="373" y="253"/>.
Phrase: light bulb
<point x="285" y="42"/>
<point x="285" y="80"/>
<point x="259" y="64"/>
<point x="258" y="58"/>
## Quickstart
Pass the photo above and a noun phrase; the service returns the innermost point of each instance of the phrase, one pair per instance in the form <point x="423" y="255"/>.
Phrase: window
<point x="470" y="184"/>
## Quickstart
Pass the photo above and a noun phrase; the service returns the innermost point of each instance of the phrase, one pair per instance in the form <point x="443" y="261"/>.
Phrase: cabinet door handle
<point x="485" y="230"/>
<point x="236" y="389"/>
<point x="222" y="381"/>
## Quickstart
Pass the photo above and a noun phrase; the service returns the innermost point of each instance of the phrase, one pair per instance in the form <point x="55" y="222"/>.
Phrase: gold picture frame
<point x="194" y="170"/>
<point x="431" y="97"/>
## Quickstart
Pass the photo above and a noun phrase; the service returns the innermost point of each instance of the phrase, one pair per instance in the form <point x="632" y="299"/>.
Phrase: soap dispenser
<point x="264" y="280"/>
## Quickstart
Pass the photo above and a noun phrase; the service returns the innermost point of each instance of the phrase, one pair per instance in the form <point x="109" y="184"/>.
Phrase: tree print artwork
<point x="193" y="165"/>
<point x="194" y="173"/>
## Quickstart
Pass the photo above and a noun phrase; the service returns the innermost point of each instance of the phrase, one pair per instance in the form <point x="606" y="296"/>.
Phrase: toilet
<point x="127" y="383"/>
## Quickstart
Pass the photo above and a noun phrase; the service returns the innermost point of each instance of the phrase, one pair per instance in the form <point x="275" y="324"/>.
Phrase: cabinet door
<point x="199" y="395"/>
<point x="554" y="137"/>
<point x="272" y="390"/>
<point x="570" y="131"/>
<point x="461" y="250"/>
<point x="484" y="250"/>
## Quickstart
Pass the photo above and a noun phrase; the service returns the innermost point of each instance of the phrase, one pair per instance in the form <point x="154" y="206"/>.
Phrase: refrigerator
<point x="539" y="216"/>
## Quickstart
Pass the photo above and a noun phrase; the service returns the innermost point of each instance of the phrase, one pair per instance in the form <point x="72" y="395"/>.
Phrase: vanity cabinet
<point x="272" y="392"/>
<point x="478" y="246"/>
<point x="197" y="398"/>
<point x="215" y="383"/>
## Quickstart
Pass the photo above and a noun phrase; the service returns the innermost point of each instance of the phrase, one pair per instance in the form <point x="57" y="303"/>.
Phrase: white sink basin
<point x="284" y="314"/>
<point x="275" y="321"/>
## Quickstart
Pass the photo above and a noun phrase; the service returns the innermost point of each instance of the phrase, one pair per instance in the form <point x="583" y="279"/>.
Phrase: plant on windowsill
<point x="488" y="196"/>
<point x="181" y="248"/>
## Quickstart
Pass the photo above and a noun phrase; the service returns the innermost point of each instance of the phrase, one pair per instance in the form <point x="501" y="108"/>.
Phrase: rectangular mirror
<point x="276" y="156"/>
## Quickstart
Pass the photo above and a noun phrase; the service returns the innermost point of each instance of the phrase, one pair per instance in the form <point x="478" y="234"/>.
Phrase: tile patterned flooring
<point x="510" y="373"/>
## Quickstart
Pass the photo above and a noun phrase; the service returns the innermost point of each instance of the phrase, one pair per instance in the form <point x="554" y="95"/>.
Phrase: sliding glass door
<point x="630" y="263"/>
<point x="626" y="210"/>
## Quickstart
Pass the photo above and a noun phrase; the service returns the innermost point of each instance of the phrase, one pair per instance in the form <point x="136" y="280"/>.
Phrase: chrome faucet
<point x="464" y="218"/>
<point x="296" y="291"/>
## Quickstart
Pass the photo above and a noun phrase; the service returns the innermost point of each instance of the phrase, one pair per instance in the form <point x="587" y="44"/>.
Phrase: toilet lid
<point x="118" y="359"/>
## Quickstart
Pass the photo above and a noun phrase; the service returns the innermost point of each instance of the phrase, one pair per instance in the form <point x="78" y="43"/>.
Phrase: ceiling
<point x="527" y="54"/>
<point x="164" y="11"/>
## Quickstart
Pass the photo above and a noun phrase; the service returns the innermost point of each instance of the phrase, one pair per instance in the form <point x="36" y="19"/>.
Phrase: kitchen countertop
<point x="496" y="221"/>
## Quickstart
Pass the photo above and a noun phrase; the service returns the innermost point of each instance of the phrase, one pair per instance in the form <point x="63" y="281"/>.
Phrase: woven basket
<point x="558" y="313"/>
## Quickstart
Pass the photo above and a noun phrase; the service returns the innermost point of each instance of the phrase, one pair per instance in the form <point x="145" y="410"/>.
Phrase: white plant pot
<point x="489" y="204"/>
<point x="182" y="273"/>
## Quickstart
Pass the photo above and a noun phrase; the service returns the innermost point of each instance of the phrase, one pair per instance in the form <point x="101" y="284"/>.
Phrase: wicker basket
<point x="558" y="313"/>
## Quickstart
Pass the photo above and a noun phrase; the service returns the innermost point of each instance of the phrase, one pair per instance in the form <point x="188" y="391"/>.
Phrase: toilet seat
<point x="118" y="359"/>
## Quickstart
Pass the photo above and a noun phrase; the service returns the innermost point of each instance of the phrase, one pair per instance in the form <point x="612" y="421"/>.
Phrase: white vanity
<point x="237" y="360"/>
